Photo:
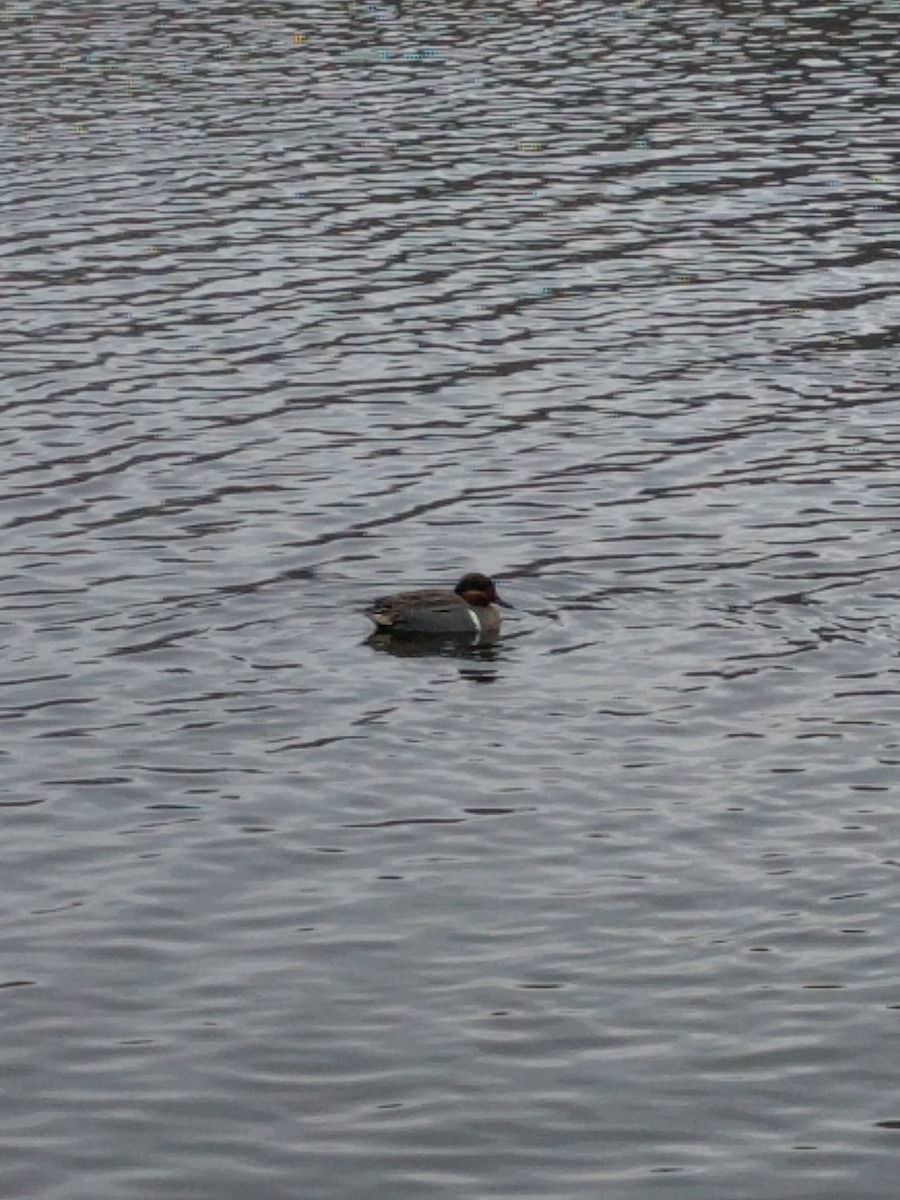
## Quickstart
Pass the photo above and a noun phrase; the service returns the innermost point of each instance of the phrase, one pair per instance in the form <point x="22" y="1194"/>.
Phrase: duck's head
<point x="479" y="591"/>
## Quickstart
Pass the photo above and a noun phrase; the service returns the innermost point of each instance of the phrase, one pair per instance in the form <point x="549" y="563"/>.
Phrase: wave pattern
<point x="599" y="298"/>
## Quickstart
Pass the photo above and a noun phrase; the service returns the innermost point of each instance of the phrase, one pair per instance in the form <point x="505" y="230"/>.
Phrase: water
<point x="302" y="308"/>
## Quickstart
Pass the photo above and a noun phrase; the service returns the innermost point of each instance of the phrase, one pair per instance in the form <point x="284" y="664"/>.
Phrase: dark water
<point x="299" y="306"/>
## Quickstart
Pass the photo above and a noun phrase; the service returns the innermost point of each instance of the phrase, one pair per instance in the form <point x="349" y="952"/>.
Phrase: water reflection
<point x="419" y="645"/>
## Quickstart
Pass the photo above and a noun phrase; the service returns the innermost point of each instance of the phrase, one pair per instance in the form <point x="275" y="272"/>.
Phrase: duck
<point x="470" y="608"/>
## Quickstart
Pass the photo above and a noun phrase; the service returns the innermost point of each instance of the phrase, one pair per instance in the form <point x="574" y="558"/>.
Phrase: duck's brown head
<point x="479" y="591"/>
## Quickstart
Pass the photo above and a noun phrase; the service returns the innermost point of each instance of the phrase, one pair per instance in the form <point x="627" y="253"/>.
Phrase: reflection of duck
<point x="480" y="653"/>
<point x="468" y="609"/>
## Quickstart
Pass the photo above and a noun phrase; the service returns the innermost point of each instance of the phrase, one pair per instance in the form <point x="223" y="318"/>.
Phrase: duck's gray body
<point x="466" y="611"/>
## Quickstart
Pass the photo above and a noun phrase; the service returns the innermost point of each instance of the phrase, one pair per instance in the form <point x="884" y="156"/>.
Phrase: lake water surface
<point x="302" y="304"/>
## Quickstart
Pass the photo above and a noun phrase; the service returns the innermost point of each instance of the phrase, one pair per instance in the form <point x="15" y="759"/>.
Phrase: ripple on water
<point x="595" y="301"/>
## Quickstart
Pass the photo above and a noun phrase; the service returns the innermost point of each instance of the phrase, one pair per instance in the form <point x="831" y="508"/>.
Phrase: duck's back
<point x="432" y="610"/>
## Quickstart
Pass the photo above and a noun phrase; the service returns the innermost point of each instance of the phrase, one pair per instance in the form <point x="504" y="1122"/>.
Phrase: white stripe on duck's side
<point x="475" y="620"/>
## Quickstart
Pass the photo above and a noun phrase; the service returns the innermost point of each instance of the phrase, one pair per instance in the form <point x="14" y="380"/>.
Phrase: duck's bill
<point x="503" y="603"/>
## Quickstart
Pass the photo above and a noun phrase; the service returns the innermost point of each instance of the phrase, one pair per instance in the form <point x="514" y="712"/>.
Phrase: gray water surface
<point x="303" y="305"/>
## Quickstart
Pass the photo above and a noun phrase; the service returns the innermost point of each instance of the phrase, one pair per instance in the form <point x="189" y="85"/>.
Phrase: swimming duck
<point x="468" y="609"/>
